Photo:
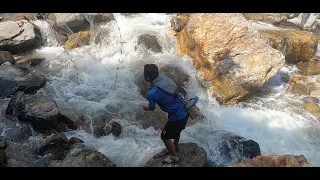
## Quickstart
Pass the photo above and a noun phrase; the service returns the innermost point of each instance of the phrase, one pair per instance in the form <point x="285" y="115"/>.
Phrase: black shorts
<point x="172" y="129"/>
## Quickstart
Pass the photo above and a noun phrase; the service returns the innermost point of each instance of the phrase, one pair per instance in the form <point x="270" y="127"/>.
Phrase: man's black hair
<point x="151" y="71"/>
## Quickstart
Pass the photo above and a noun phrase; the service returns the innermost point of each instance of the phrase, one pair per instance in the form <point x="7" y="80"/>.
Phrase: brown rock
<point x="313" y="108"/>
<point x="76" y="40"/>
<point x="311" y="67"/>
<point x="286" y="160"/>
<point x="229" y="54"/>
<point x="294" y="44"/>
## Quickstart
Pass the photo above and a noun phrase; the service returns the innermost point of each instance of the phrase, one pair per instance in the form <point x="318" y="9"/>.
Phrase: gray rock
<point x="311" y="99"/>
<point x="19" y="36"/>
<point x="82" y="157"/>
<point x="40" y="111"/>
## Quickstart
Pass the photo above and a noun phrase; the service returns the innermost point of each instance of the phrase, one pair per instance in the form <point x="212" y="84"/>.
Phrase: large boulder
<point x="286" y="160"/>
<point x="40" y="111"/>
<point x="190" y="155"/>
<point x="294" y="44"/>
<point x="311" y="67"/>
<point x="229" y="54"/>
<point x="82" y="157"/>
<point x="20" y="36"/>
<point x="6" y="56"/>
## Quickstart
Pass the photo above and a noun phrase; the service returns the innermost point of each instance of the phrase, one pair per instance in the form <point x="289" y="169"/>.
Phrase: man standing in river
<point x="164" y="92"/>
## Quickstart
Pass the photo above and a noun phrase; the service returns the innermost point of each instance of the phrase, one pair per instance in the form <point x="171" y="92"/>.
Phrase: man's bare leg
<point x="170" y="146"/>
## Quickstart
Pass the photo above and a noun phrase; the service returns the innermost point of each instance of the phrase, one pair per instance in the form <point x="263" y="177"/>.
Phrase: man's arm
<point x="152" y="102"/>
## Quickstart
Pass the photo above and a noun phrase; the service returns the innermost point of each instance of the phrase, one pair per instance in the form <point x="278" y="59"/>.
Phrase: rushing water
<point x="78" y="81"/>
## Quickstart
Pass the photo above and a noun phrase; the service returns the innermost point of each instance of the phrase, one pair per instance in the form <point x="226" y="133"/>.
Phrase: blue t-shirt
<point x="173" y="106"/>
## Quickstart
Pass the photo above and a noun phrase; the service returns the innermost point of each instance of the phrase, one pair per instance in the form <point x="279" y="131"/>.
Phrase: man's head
<point x="150" y="72"/>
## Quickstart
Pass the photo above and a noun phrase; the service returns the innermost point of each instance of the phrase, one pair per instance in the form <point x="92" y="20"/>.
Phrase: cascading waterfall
<point x="79" y="82"/>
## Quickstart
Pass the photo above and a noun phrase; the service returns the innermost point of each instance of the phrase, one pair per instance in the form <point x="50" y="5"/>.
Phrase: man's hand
<point x="146" y="108"/>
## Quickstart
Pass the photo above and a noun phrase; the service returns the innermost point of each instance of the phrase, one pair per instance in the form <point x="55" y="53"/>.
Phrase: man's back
<point x="173" y="106"/>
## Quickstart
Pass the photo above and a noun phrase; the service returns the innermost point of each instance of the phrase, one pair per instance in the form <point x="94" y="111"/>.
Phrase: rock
<point x="20" y="155"/>
<point x="31" y="83"/>
<point x="3" y="158"/>
<point x="315" y="93"/>
<point x="299" y="79"/>
<point x="190" y="155"/>
<point x="1" y="18"/>
<point x="8" y="87"/>
<point x="3" y="144"/>
<point x="19" y="36"/>
<point x="76" y="40"/>
<point x="30" y="60"/>
<point x="312" y="67"/>
<point x="128" y="14"/>
<point x="299" y="89"/>
<point x="84" y="158"/>
<point x="172" y="32"/>
<point x="77" y="22"/>
<point x="233" y="144"/>
<point x="179" y="22"/>
<point x="143" y="85"/>
<point x="270" y="18"/>
<point x="106" y="17"/>
<point x="74" y="21"/>
<point x="99" y="124"/>
<point x="6" y="56"/>
<point x="41" y="112"/>
<point x="74" y="140"/>
<point x="286" y="160"/>
<point x="310" y="99"/>
<point x="150" y="42"/>
<point x="295" y="45"/>
<point x="115" y="129"/>
<point x="69" y="117"/>
<point x="44" y="161"/>
<point x="15" y="131"/>
<point x="313" y="108"/>
<point x="178" y="75"/>
<point x="230" y="58"/>
<point x="58" y="145"/>
<point x="13" y="78"/>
